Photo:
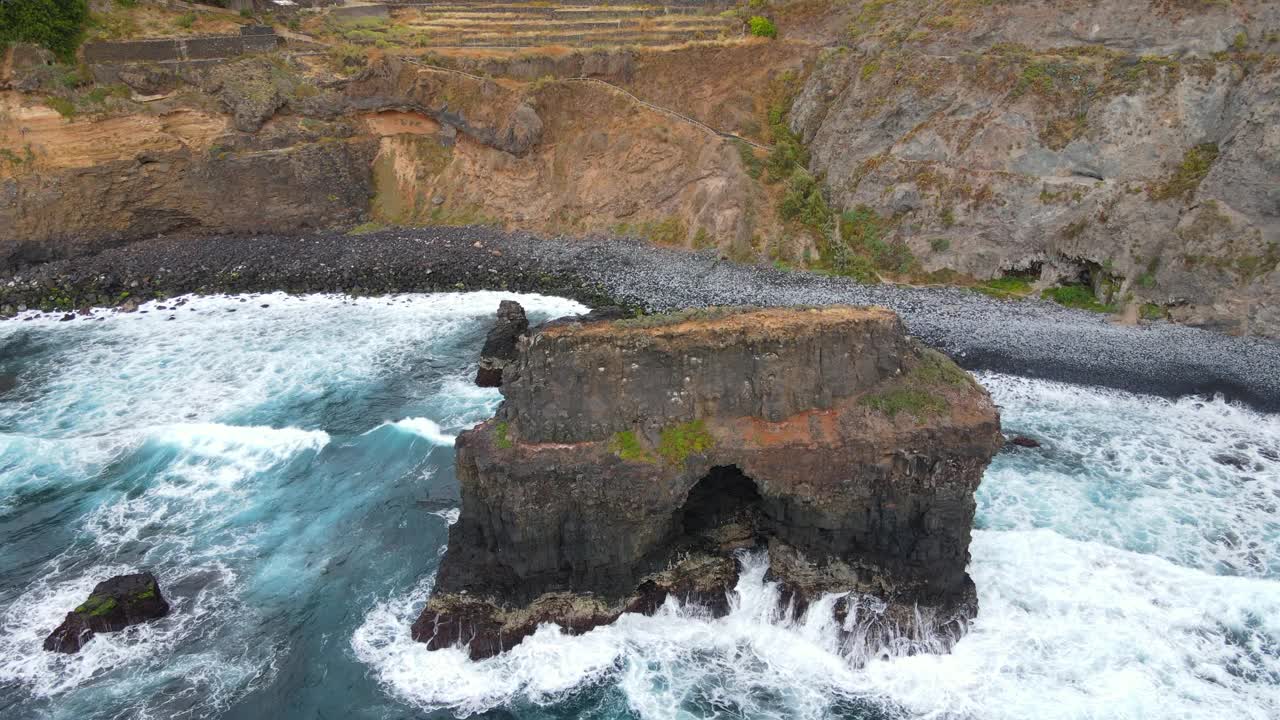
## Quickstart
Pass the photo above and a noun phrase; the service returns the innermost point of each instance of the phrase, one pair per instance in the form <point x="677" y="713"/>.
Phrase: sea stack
<point x="631" y="459"/>
<point x="500" y="344"/>
<point x="114" y="604"/>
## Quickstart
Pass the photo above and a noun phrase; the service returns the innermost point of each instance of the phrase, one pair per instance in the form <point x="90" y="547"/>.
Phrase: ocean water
<point x="284" y="466"/>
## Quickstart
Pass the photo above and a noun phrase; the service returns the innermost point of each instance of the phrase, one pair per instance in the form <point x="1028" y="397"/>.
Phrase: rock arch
<point x="724" y="496"/>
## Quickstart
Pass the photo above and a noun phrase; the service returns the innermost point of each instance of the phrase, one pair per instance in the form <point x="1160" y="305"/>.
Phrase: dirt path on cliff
<point x="1028" y="337"/>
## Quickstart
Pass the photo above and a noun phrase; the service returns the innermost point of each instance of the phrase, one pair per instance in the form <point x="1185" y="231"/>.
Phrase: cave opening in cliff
<point x="725" y="495"/>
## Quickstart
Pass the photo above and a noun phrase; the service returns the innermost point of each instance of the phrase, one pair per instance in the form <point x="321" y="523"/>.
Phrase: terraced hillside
<point x="480" y="24"/>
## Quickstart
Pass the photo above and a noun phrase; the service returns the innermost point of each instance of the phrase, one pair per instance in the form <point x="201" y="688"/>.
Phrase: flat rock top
<point x="741" y="323"/>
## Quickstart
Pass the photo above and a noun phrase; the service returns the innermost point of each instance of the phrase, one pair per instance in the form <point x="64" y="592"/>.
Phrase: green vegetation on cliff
<point x="1080" y="297"/>
<point x="675" y="443"/>
<point x="762" y="27"/>
<point x="678" y="442"/>
<point x="502" y="435"/>
<point x="626" y="445"/>
<point x="916" y="392"/>
<point x="1187" y="176"/>
<point x="54" y="24"/>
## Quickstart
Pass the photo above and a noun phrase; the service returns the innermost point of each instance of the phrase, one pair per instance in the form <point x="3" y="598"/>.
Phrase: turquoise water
<point x="284" y="466"/>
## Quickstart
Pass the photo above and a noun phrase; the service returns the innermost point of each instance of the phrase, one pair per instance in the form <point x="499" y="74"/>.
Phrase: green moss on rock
<point x="920" y="403"/>
<point x="627" y="446"/>
<point x="502" y="437"/>
<point x="678" y="442"/>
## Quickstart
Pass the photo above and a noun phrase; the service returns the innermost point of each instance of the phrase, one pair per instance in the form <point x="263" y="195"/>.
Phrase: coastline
<point x="1024" y="337"/>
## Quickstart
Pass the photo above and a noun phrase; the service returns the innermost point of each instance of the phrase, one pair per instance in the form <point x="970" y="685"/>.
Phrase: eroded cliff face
<point x="560" y="156"/>
<point x="259" y="145"/>
<point x="631" y="459"/>
<point x="1132" y="143"/>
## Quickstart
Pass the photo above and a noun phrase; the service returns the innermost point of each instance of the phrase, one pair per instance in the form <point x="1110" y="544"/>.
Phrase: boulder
<point x="631" y="459"/>
<point x="113" y="605"/>
<point x="1024" y="441"/>
<point x="500" y="344"/>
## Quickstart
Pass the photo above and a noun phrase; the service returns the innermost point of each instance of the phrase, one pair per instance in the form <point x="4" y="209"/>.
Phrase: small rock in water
<point x="114" y="604"/>
<point x="1024" y="441"/>
<point x="8" y="381"/>
<point x="68" y="316"/>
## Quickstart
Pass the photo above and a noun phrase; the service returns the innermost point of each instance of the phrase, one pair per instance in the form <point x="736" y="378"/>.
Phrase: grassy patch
<point x="916" y="392"/>
<point x="803" y="202"/>
<point x="937" y="369"/>
<point x="1188" y="176"/>
<point x="1152" y="311"/>
<point x="753" y="164"/>
<point x="501" y="435"/>
<point x="65" y="107"/>
<point x="1009" y="286"/>
<point x="675" y="317"/>
<point x="762" y="27"/>
<point x="919" y="403"/>
<point x="54" y="24"/>
<point x="627" y="446"/>
<point x="1080" y="297"/>
<point x="864" y="251"/>
<point x="702" y="240"/>
<point x="366" y="228"/>
<point x="678" y="442"/>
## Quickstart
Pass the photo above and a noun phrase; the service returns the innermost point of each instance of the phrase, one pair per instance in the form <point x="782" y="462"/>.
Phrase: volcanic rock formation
<point x="631" y="459"/>
<point x="500" y="344"/>
<point x="114" y="604"/>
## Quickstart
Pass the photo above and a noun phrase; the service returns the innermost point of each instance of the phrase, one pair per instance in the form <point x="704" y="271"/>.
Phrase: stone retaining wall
<point x="250" y="40"/>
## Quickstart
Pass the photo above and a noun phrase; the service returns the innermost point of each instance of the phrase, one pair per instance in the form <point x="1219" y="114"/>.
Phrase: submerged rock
<point x="1024" y="441"/>
<point x="113" y="605"/>
<point x="500" y="344"/>
<point x="631" y="459"/>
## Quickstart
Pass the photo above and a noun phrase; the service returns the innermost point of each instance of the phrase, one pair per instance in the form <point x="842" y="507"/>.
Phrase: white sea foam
<point x="207" y="503"/>
<point x="227" y="354"/>
<point x="1067" y="629"/>
<point x="425" y="428"/>
<point x="208" y="479"/>
<point x="1190" y="480"/>
<point x="450" y="516"/>
<point x="1122" y="571"/>
<point x="142" y="649"/>
<point x="1086" y="611"/>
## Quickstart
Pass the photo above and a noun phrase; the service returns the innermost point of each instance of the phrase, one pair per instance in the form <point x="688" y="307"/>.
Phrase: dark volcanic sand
<point x="1029" y="337"/>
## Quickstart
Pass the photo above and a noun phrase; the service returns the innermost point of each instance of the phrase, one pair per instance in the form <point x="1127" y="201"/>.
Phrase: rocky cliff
<point x="397" y="143"/>
<point x="630" y="459"/>
<point x="1130" y="146"/>
<point x="1122" y="152"/>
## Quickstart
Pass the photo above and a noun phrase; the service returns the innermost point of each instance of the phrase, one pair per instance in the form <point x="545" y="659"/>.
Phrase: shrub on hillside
<point x="762" y="27"/>
<point x="54" y="24"/>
